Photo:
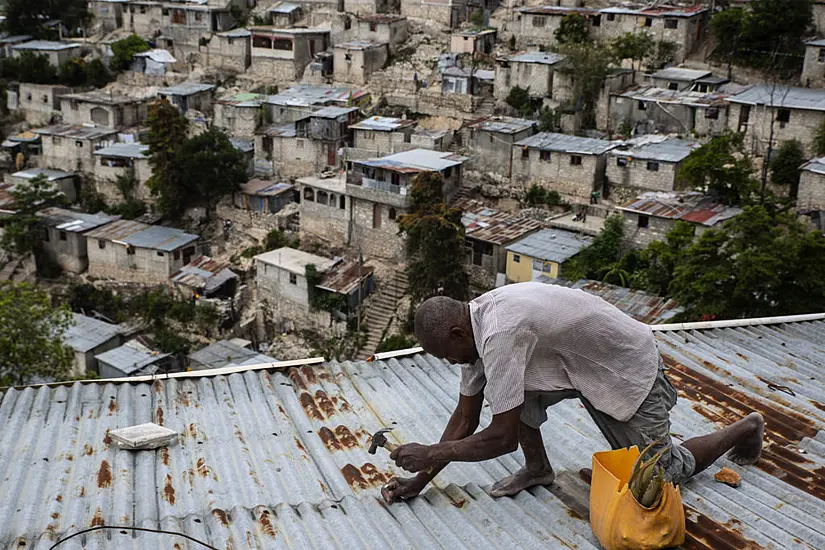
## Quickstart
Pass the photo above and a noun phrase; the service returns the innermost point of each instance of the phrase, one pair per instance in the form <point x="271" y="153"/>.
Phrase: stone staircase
<point x="381" y="311"/>
<point x="9" y="267"/>
<point x="486" y="108"/>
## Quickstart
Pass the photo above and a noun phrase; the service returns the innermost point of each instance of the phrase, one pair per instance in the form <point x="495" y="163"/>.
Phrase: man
<point x="525" y="347"/>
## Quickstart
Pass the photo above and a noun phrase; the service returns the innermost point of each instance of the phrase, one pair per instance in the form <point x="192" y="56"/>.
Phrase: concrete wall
<point x="69" y="154"/>
<point x="574" y="182"/>
<point x="813" y="70"/>
<point x="492" y="151"/>
<point x="811" y="193"/>
<point x="143" y="19"/>
<point x="688" y="31"/>
<point x="274" y="283"/>
<point x="360" y="65"/>
<point x="231" y="54"/>
<point x="382" y="143"/>
<point x="802" y="125"/>
<point x="105" y="177"/>
<point x="637" y="175"/>
<point x="286" y="65"/>
<point x="537" y="76"/>
<point x="291" y="157"/>
<point x="67" y="249"/>
<point x="38" y="103"/>
<point x="326" y="220"/>
<point x="667" y="118"/>
<point x="108" y="16"/>
<point x="107" y="116"/>
<point x="236" y="121"/>
<point x="391" y="33"/>
<point x="444" y="12"/>
<point x="540" y="29"/>
<point x="382" y="241"/>
<point x="144" y="266"/>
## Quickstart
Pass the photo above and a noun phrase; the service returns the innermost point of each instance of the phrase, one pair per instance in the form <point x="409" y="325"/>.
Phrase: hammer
<point x="380" y="440"/>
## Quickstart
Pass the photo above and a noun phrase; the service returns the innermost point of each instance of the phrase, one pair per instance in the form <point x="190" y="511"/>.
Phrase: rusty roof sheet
<point x="556" y="10"/>
<point x="277" y="458"/>
<point x="344" y="277"/>
<point x="642" y="306"/>
<point x="690" y="207"/>
<point x="265" y="188"/>
<point x="204" y="272"/>
<point x="657" y="11"/>
<point x="495" y="226"/>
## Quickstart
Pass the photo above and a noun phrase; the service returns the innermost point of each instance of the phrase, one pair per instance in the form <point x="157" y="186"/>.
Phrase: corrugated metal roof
<point x="186" y="88"/>
<point x="305" y="95"/>
<point x="86" y="333"/>
<point x="564" y="143"/>
<point x="141" y="235"/>
<point x="132" y="357"/>
<point x="75" y="132"/>
<point x="294" y="260"/>
<point x="243" y="99"/>
<point x="290" y="31"/>
<point x="344" y="277"/>
<point x="811" y="99"/>
<point x="690" y="207"/>
<point x="551" y="245"/>
<point x="683" y="97"/>
<point x="204" y="273"/>
<point x="819" y="43"/>
<point x="280" y="130"/>
<point x="51" y="175"/>
<point x="680" y="74"/>
<point x="536" y="57"/>
<point x="106" y="97"/>
<point x="158" y="56"/>
<point x="383" y="124"/>
<point x="556" y="10"/>
<point x="236" y="33"/>
<point x="223" y="353"/>
<point x="265" y="188"/>
<point x="495" y="226"/>
<point x="475" y="31"/>
<point x="816" y="165"/>
<point x="333" y="112"/>
<point x="381" y="18"/>
<point x="73" y="222"/>
<point x="242" y="145"/>
<point x="284" y="7"/>
<point x="642" y="306"/>
<point x="126" y="150"/>
<point x="662" y="150"/>
<point x="659" y="11"/>
<point x="360" y="45"/>
<point x="502" y="124"/>
<point x="417" y="160"/>
<point x="272" y="459"/>
<point x="45" y="45"/>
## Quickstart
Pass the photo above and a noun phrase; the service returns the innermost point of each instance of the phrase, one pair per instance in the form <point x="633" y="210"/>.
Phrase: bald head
<point x="443" y="327"/>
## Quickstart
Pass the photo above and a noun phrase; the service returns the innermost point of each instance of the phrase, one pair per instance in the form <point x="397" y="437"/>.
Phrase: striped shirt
<point x="538" y="337"/>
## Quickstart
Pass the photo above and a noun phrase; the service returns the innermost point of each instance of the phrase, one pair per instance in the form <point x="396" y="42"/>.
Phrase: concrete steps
<point x="8" y="270"/>
<point x="381" y="311"/>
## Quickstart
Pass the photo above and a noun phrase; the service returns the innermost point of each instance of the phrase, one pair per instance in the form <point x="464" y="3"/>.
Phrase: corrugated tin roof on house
<point x="277" y="458"/>
<point x="343" y="278"/>
<point x="51" y="175"/>
<point x="279" y="130"/>
<point x="223" y="353"/>
<point x="547" y="141"/>
<point x="818" y="43"/>
<point x="284" y="7"/>
<point x="690" y="207"/>
<point x="73" y="222"/>
<point x="502" y="124"/>
<point x="106" y="97"/>
<point x="158" y="56"/>
<point x="816" y="166"/>
<point x="381" y="18"/>
<point x="360" y="45"/>
<point x="811" y="99"/>
<point x="680" y="74"/>
<point x="383" y="124"/>
<point x="75" y="132"/>
<point x="125" y="150"/>
<point x="236" y="33"/>
<point x="416" y="160"/>
<point x="243" y="99"/>
<point x="551" y="245"/>
<point x="265" y="188"/>
<point x="243" y="145"/>
<point x="86" y="333"/>
<point x="294" y="260"/>
<point x="186" y="88"/>
<point x="333" y="111"/>
<point x="536" y="57"/>
<point x="658" y="148"/>
<point x="290" y="31"/>
<point x="495" y="226"/>
<point x="141" y="235"/>
<point x="475" y="31"/>
<point x="556" y="10"/>
<point x="45" y="45"/>
<point x="642" y="306"/>
<point x="132" y="357"/>
<point x="305" y="95"/>
<point x="659" y="11"/>
<point x="204" y="273"/>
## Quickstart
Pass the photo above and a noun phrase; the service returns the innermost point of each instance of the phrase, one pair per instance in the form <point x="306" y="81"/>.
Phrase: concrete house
<point x="382" y="28"/>
<point x="650" y="216"/>
<point x="132" y="251"/>
<point x="89" y="337"/>
<point x="104" y="108"/>
<point x="369" y="7"/>
<point x="117" y="160"/>
<point x="379" y="189"/>
<point x="145" y="18"/>
<point x="64" y="241"/>
<point x="281" y="278"/>
<point x="185" y="24"/>
<point x="573" y="166"/>
<point x="646" y="163"/>
<point x="533" y="70"/>
<point x="458" y="80"/>
<point x="539" y="256"/>
<point x="683" y="25"/>
<point x="813" y="68"/>
<point x="796" y="114"/>
<point x="205" y="277"/>
<point x="473" y="40"/>
<point x="679" y="79"/>
<point x="133" y="359"/>
<point x="491" y="141"/>
<point x="537" y="25"/>
<point x="189" y="95"/>
<point x="6" y="42"/>
<point x="811" y="194"/>
<point x="155" y="62"/>
<point x="27" y="143"/>
<point x="108" y="14"/>
<point x="323" y="208"/>
<point x="229" y="51"/>
<point x="69" y="146"/>
<point x="450" y="13"/>
<point x="299" y="101"/>
<point x="284" y="15"/>
<point x="57" y="52"/>
<point x="264" y="196"/>
<point x="37" y="103"/>
<point x="65" y="182"/>
<point x="376" y="136"/>
<point x="487" y="234"/>
<point x="226" y="353"/>
<point x="355" y="61"/>
<point x="283" y="54"/>
<point x="650" y="110"/>
<point x="437" y="140"/>
<point x="239" y="114"/>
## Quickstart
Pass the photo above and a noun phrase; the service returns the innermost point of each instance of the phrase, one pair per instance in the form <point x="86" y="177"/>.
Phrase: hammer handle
<point x="392" y="446"/>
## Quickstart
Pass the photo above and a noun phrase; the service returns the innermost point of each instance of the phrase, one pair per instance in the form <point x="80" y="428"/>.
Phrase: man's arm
<point x="463" y="422"/>
<point x="499" y="438"/>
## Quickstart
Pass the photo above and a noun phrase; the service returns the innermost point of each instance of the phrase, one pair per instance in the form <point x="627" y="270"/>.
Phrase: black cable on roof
<point x="124" y="527"/>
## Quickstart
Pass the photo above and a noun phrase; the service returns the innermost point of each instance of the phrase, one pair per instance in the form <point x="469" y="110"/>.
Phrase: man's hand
<point x="413" y="457"/>
<point x="401" y="488"/>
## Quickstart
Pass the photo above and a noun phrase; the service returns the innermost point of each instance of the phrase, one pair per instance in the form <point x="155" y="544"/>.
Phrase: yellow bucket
<point x="618" y="521"/>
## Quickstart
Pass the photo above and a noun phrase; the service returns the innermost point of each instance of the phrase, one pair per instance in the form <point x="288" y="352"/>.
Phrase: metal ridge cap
<point x="732" y="323"/>
<point x="184" y="374"/>
<point x="397" y="353"/>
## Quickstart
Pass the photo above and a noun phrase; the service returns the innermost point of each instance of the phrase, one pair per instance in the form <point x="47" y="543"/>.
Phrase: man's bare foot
<point x="523" y="479"/>
<point x="586" y="475"/>
<point x="750" y="449"/>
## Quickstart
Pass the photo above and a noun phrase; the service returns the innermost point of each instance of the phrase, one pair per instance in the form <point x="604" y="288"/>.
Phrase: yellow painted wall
<point x="522" y="271"/>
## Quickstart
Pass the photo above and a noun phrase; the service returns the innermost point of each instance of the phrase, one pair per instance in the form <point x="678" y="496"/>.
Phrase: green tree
<point x="663" y="53"/>
<point x="72" y="72"/>
<point x="97" y="74"/>
<point x="587" y="65"/>
<point x="785" y="165"/>
<point x="167" y="132"/>
<point x="31" y="342"/>
<point x="662" y="257"/>
<point x="435" y="242"/>
<point x="758" y="264"/>
<point x="722" y="168"/>
<point x="602" y="256"/>
<point x="634" y="46"/>
<point x="35" y="68"/>
<point x="28" y="16"/>
<point x="519" y="99"/>
<point x="727" y="27"/>
<point x="573" y="29"/>
<point x="22" y="231"/>
<point x="548" y="120"/>
<point x="396" y="341"/>
<point x="123" y="51"/>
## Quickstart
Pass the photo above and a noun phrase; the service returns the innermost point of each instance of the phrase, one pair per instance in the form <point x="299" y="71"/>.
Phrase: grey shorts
<point x="650" y="423"/>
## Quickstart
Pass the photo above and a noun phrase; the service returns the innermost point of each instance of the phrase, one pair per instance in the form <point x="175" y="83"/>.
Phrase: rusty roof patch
<point x="495" y="226"/>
